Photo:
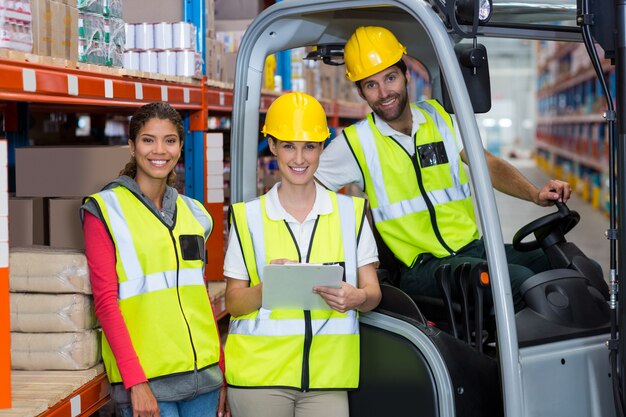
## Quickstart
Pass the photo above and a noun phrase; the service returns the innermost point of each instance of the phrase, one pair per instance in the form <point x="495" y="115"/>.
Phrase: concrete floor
<point x="588" y="235"/>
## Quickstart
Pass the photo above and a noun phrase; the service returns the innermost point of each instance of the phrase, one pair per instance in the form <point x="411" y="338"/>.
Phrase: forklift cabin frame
<point x="296" y="23"/>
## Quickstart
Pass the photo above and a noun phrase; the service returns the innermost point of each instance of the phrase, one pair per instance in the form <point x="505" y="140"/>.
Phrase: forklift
<point x="560" y="355"/>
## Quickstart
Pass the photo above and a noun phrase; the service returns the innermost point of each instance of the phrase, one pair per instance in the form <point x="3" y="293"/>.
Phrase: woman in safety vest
<point x="297" y="362"/>
<point x="145" y="245"/>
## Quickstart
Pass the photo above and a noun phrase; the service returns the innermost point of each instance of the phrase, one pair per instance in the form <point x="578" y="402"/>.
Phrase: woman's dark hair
<point x="158" y="110"/>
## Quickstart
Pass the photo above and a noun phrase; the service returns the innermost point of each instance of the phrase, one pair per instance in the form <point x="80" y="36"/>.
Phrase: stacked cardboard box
<point x="221" y="49"/>
<point x="238" y="9"/>
<point x="55" y="28"/>
<point x="214" y="59"/>
<point x="45" y="209"/>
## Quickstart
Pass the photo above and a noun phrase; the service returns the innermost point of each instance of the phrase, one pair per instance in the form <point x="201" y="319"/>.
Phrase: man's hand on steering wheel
<point x="554" y="190"/>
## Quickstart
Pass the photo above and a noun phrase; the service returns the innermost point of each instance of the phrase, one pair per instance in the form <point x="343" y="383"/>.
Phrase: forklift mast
<point x="619" y="30"/>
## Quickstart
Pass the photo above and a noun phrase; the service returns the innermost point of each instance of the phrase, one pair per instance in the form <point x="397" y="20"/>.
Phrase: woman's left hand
<point x="342" y="299"/>
<point x="223" y="410"/>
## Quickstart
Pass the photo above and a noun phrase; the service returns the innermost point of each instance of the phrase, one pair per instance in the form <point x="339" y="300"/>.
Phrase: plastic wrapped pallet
<point x="43" y="269"/>
<point x="92" y="6"/>
<point x="91" y="37"/>
<point x="112" y="8"/>
<point x="55" y="351"/>
<point x="51" y="312"/>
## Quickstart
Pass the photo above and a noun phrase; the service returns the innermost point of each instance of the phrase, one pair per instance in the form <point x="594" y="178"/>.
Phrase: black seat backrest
<point x="394" y="300"/>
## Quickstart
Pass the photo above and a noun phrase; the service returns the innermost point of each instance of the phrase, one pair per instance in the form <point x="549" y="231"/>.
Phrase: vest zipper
<point x="180" y="304"/>
<point x="308" y="327"/>
<point x="429" y="204"/>
<point x="308" y="339"/>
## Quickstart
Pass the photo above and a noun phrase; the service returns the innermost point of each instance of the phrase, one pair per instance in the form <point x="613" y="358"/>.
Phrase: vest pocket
<point x="431" y="154"/>
<point x="192" y="247"/>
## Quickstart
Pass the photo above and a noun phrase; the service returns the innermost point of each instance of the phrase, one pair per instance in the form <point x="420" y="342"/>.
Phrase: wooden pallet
<point x="57" y="393"/>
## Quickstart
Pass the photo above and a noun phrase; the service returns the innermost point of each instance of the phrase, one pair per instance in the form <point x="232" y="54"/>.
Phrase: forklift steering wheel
<point x="548" y="229"/>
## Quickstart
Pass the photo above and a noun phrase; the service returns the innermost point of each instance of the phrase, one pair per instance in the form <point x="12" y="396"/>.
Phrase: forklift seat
<point x="394" y="300"/>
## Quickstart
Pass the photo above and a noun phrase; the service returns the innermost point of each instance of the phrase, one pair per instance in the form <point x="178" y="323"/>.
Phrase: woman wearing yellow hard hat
<point x="296" y="362"/>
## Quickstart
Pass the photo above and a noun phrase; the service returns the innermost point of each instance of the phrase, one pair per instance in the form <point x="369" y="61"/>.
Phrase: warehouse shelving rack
<point x="572" y="136"/>
<point x="25" y="84"/>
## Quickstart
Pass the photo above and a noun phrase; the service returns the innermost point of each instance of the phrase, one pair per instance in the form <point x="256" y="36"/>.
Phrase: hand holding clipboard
<point x="290" y="286"/>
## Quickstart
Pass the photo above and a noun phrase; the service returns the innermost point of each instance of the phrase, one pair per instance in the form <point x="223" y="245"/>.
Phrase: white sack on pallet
<point x="55" y="351"/>
<point x="51" y="313"/>
<point x="43" y="269"/>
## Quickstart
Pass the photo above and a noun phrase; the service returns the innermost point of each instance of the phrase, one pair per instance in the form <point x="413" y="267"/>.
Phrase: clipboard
<point x="290" y="286"/>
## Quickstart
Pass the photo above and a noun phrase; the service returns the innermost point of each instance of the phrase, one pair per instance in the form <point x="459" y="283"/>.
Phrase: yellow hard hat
<point x="296" y="117"/>
<point x="369" y="50"/>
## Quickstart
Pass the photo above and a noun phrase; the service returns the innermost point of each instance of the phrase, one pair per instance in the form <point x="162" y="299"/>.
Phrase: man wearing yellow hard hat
<point x="296" y="362"/>
<point x="407" y="157"/>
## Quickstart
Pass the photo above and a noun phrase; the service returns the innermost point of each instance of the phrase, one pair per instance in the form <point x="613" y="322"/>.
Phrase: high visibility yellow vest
<point x="420" y="204"/>
<point x="161" y="289"/>
<point x="304" y="350"/>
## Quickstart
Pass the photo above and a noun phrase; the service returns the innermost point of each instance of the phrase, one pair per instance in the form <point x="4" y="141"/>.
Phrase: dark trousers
<point x="522" y="265"/>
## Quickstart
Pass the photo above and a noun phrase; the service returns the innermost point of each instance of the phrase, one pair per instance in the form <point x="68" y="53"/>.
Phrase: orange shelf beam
<point x="214" y="270"/>
<point x="84" y="401"/>
<point x="219" y="99"/>
<point x="5" y="336"/>
<point x="25" y="81"/>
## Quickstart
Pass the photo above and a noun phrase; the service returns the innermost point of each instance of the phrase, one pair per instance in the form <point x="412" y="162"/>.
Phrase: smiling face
<point x="297" y="161"/>
<point x="157" y="148"/>
<point x="386" y="94"/>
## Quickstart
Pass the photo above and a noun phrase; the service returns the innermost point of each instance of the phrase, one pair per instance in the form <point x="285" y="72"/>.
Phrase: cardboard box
<point x="40" y="11"/>
<point x="231" y="39"/>
<point x="209" y="6"/>
<point x="64" y="225"/>
<point x="214" y="57"/>
<point x="229" y="64"/>
<point x="238" y="9"/>
<point x="153" y="11"/>
<point x="64" y="31"/>
<point x="27" y="221"/>
<point x="232" y="25"/>
<point x="71" y="31"/>
<point x="67" y="171"/>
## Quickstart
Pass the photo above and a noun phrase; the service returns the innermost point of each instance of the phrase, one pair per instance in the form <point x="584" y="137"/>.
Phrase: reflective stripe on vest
<point x="159" y="281"/>
<point x="199" y="214"/>
<point x="294" y="327"/>
<point x="121" y="233"/>
<point x="448" y="141"/>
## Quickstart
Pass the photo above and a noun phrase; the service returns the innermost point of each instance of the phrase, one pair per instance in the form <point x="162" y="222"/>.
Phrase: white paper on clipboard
<point x="290" y="286"/>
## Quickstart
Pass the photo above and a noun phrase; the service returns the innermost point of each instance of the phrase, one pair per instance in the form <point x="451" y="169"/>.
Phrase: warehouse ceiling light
<point x="465" y="10"/>
<point x="464" y="16"/>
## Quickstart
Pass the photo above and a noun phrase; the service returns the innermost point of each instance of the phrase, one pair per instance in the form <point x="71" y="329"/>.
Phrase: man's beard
<point x="389" y="115"/>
